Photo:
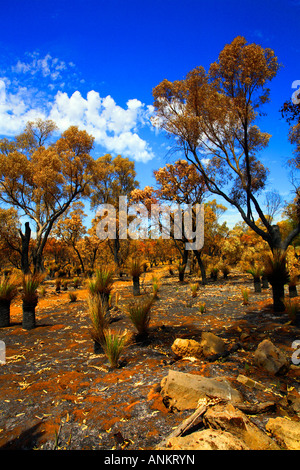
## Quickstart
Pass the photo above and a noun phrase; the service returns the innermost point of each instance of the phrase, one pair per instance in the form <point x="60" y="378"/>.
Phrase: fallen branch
<point x="185" y="425"/>
<point x="255" y="408"/>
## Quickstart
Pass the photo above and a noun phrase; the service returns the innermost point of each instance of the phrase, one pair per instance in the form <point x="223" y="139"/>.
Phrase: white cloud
<point x="47" y="66"/>
<point x="15" y="110"/>
<point x="115" y="128"/>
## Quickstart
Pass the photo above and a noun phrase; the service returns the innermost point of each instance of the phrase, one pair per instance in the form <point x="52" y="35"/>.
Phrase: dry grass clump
<point x="102" y="283"/>
<point x="8" y="288"/>
<point x="114" y="343"/>
<point x="140" y="314"/>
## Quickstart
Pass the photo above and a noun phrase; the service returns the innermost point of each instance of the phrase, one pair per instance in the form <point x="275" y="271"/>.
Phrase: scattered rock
<point x="285" y="431"/>
<point x="182" y="391"/>
<point x="231" y="420"/>
<point x="211" y="344"/>
<point x="249" y="382"/>
<point x="271" y="358"/>
<point x="186" y="348"/>
<point x="293" y="399"/>
<point x="207" y="439"/>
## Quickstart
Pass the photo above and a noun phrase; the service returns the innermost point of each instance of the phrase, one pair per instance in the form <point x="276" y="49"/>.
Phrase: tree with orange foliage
<point x="212" y="116"/>
<point x="70" y="229"/>
<point x="113" y="177"/>
<point x="178" y="183"/>
<point x="41" y="179"/>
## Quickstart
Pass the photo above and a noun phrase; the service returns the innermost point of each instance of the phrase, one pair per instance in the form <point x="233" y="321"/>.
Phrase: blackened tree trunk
<point x="264" y="282"/>
<point x="4" y="313"/>
<point x="278" y="297"/>
<point x="28" y="321"/>
<point x="293" y="290"/>
<point x="25" y="238"/>
<point x="197" y="253"/>
<point x="257" y="284"/>
<point x="136" y="285"/>
<point x="182" y="266"/>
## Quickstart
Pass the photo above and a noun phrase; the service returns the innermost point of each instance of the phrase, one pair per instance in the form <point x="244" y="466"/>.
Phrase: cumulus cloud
<point x="115" y="128"/>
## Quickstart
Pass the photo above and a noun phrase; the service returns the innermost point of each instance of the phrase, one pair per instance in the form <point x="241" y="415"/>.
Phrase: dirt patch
<point x="56" y="393"/>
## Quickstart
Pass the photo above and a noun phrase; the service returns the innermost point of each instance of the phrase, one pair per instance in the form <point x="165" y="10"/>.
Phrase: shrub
<point x="256" y="272"/>
<point x="72" y="296"/>
<point x="30" y="283"/>
<point x="139" y="313"/>
<point x="99" y="316"/>
<point x="275" y="268"/>
<point x="102" y="283"/>
<point x="181" y="271"/>
<point x="214" y="273"/>
<point x="225" y="271"/>
<point x="202" y="307"/>
<point x="57" y="284"/>
<point x="155" y="285"/>
<point x="43" y="291"/>
<point x="245" y="294"/>
<point x="194" y="289"/>
<point x="292" y="309"/>
<point x="8" y="288"/>
<point x="136" y="267"/>
<point x="114" y="344"/>
<point x="277" y="275"/>
<point x="135" y="270"/>
<point x="76" y="282"/>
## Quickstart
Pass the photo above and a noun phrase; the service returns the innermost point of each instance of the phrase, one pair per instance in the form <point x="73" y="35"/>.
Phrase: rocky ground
<point x="56" y="393"/>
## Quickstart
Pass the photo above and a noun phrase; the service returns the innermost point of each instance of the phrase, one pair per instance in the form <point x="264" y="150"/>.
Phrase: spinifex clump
<point x="256" y="272"/>
<point x="136" y="268"/>
<point x="102" y="284"/>
<point x="139" y="313"/>
<point x="30" y="283"/>
<point x="8" y="290"/>
<point x="100" y="320"/>
<point x="114" y="343"/>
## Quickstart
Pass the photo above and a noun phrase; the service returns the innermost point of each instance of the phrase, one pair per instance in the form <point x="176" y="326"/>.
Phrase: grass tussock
<point x="99" y="317"/>
<point x="194" y="289"/>
<point x="102" y="283"/>
<point x="245" y="295"/>
<point x="114" y="343"/>
<point x="30" y="284"/>
<point x="8" y="288"/>
<point x="140" y="314"/>
<point x="136" y="267"/>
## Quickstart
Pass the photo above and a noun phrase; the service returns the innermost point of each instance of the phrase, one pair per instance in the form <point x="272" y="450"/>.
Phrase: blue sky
<point x="94" y="63"/>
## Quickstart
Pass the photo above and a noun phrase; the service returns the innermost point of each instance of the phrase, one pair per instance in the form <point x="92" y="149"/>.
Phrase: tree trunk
<point x="4" y="313"/>
<point x="201" y="266"/>
<point x="38" y="262"/>
<point x="136" y="285"/>
<point x="28" y="322"/>
<point x="265" y="282"/>
<point x="293" y="291"/>
<point x="278" y="297"/>
<point x="181" y="275"/>
<point x="80" y="259"/>
<point x="181" y="268"/>
<point x="257" y="285"/>
<point x="25" y="238"/>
